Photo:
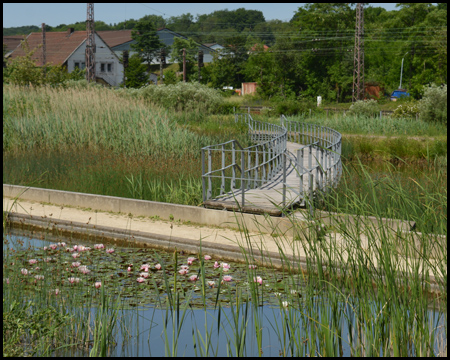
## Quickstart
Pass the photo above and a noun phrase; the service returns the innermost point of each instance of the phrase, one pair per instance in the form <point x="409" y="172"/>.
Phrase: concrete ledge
<point x="166" y="211"/>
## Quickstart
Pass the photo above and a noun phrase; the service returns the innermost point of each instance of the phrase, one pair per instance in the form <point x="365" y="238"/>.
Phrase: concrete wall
<point x="194" y="214"/>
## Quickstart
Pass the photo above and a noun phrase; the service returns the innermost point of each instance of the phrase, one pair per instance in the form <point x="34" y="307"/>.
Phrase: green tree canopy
<point x="147" y="40"/>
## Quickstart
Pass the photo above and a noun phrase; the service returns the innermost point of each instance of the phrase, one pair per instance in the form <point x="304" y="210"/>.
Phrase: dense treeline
<point x="312" y="54"/>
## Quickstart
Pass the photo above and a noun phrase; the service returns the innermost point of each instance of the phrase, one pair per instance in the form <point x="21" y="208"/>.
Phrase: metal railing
<point x="235" y="168"/>
<point x="321" y="153"/>
<point x="230" y="169"/>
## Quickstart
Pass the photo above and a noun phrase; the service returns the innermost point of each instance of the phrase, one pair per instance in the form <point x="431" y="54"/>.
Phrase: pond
<point x="219" y="309"/>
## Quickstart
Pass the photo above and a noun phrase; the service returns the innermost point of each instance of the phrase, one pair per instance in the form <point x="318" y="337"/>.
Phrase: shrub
<point x="364" y="108"/>
<point x="183" y="97"/>
<point x="433" y="105"/>
<point x="406" y="111"/>
<point x="293" y="107"/>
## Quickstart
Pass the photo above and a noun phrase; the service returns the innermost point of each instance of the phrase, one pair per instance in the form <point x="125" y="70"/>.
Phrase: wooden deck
<point x="268" y="198"/>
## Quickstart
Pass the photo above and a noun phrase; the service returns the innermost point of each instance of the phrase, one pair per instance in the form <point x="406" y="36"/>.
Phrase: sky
<point x="53" y="14"/>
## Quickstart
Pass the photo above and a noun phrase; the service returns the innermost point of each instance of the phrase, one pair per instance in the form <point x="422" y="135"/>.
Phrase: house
<point x="69" y="50"/>
<point x="120" y="40"/>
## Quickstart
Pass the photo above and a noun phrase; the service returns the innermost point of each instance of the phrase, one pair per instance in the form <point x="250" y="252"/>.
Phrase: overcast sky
<point x="21" y="14"/>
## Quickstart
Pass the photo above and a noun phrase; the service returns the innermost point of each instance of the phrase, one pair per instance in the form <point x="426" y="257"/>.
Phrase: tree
<point x="147" y="41"/>
<point x="135" y="73"/>
<point x="191" y="55"/>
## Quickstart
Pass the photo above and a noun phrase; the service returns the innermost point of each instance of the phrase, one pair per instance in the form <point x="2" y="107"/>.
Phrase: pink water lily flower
<point x="24" y="271"/>
<point x="183" y="271"/>
<point x="109" y="251"/>
<point x="129" y="268"/>
<point x="258" y="279"/>
<point x="75" y="247"/>
<point x="144" y="267"/>
<point x="81" y="248"/>
<point x="7" y="280"/>
<point x="32" y="261"/>
<point x="37" y="268"/>
<point x="45" y="248"/>
<point x="216" y="265"/>
<point x="63" y="244"/>
<point x="84" y="269"/>
<point x="140" y="279"/>
<point x="53" y="246"/>
<point x="73" y="280"/>
<point x="190" y="260"/>
<point x="227" y="278"/>
<point x="252" y="266"/>
<point x="158" y="266"/>
<point x="75" y="255"/>
<point x="185" y="267"/>
<point x="47" y="259"/>
<point x="76" y="264"/>
<point x="144" y="275"/>
<point x="207" y="257"/>
<point x="225" y="266"/>
<point x="98" y="284"/>
<point x="211" y="283"/>
<point x="69" y="249"/>
<point x="39" y="277"/>
<point x="193" y="278"/>
<point x="56" y="291"/>
<point x="99" y="246"/>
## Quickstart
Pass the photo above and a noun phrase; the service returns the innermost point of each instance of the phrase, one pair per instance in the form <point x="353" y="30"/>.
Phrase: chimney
<point x="70" y="31"/>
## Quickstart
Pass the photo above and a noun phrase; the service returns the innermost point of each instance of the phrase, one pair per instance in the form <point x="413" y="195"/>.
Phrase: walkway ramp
<point x="274" y="174"/>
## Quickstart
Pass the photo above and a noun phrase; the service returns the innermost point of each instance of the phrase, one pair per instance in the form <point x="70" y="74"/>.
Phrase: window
<point x="102" y="67"/>
<point x="77" y="65"/>
<point x="109" y="67"/>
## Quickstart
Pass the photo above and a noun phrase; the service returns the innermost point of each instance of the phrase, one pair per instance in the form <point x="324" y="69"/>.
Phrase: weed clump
<point x="433" y="105"/>
<point x="366" y="108"/>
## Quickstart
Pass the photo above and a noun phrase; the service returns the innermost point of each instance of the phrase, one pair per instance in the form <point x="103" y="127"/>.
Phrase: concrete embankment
<point x="222" y="234"/>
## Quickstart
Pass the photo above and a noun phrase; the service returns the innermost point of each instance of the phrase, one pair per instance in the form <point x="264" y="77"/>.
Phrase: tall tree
<point x="176" y="54"/>
<point x="147" y="41"/>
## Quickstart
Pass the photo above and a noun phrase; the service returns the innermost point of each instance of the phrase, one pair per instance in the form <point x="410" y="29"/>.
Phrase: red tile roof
<point x="59" y="46"/>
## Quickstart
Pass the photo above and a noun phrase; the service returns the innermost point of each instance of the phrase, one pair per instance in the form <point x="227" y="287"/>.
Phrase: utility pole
<point x="44" y="46"/>
<point x="184" y="65"/>
<point x="90" y="43"/>
<point x="358" y="60"/>
<point x="162" y="61"/>
<point x="200" y="64"/>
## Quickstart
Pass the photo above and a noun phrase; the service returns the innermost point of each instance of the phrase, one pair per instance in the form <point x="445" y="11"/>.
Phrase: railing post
<point x="209" y="193"/>
<point x="222" y="186"/>
<point x="203" y="175"/>
<point x="243" y="178"/>
<point x="311" y="192"/>
<point x="284" y="181"/>
<point x="233" y="168"/>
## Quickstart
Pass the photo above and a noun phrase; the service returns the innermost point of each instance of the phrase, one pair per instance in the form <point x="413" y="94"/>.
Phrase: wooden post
<point x="184" y="65"/>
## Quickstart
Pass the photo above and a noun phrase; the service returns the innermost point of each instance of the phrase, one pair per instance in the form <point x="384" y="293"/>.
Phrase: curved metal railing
<point x="319" y="160"/>
<point x="231" y="168"/>
<point x="237" y="168"/>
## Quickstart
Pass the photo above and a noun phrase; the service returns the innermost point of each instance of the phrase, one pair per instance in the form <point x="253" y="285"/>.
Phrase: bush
<point x="406" y="111"/>
<point x="292" y="107"/>
<point x="183" y="97"/>
<point x="364" y="108"/>
<point x="433" y="105"/>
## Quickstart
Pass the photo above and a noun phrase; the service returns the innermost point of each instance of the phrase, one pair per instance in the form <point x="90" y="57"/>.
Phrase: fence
<point x="319" y="160"/>
<point x="229" y="168"/>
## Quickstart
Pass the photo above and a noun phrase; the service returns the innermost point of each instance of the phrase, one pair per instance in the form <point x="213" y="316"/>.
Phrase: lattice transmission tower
<point x="90" y="43"/>
<point x="358" y="60"/>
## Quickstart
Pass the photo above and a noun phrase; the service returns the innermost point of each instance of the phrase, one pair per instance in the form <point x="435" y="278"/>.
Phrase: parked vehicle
<point x="397" y="94"/>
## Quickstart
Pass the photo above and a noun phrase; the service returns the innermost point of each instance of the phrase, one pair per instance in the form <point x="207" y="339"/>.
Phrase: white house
<point x="69" y="48"/>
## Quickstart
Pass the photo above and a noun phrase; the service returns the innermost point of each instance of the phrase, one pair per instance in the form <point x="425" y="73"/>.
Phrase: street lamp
<point x="401" y="71"/>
